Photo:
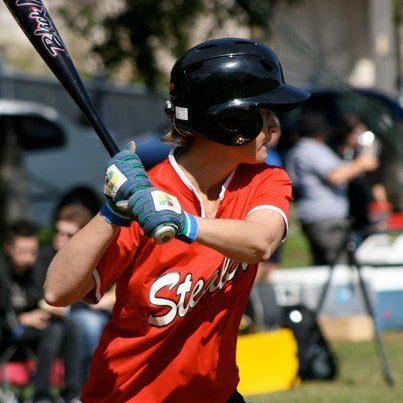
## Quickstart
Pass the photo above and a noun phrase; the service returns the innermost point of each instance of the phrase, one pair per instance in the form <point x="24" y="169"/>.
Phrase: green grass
<point x="359" y="380"/>
<point x="295" y="251"/>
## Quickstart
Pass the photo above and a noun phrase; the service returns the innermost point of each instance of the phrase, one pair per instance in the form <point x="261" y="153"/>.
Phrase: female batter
<point x="172" y="336"/>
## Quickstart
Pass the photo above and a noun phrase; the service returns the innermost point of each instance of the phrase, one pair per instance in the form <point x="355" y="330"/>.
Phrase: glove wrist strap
<point x="113" y="215"/>
<point x="190" y="229"/>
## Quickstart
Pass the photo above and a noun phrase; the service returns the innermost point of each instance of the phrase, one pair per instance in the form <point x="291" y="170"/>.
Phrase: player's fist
<point x="153" y="208"/>
<point x="124" y="175"/>
<point x="367" y="162"/>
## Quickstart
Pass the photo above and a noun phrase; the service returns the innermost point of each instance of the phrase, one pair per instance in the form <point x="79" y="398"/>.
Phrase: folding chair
<point x="14" y="373"/>
<point x="18" y="362"/>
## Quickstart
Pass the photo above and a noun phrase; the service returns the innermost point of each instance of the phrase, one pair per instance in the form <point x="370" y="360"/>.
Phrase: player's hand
<point x="153" y="208"/>
<point x="367" y="162"/>
<point x="58" y="311"/>
<point x="37" y="319"/>
<point x="124" y="175"/>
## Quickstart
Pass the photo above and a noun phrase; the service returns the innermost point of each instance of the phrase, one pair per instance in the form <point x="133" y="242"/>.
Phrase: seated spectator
<point x="80" y="195"/>
<point x="90" y="319"/>
<point x="320" y="179"/>
<point x="42" y="327"/>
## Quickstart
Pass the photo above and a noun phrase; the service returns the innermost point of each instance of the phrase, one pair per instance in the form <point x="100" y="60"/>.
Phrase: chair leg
<point x="5" y="357"/>
<point x="8" y="353"/>
<point x="6" y="394"/>
<point x="7" y="397"/>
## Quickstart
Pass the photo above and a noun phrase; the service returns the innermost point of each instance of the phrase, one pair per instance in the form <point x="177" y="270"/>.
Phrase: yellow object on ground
<point x="267" y="362"/>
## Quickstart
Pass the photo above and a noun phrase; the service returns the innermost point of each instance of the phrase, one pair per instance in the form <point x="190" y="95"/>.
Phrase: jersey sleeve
<point x="116" y="259"/>
<point x="273" y="192"/>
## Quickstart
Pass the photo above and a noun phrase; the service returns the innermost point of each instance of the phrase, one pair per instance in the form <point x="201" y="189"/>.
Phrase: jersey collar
<point x="188" y="184"/>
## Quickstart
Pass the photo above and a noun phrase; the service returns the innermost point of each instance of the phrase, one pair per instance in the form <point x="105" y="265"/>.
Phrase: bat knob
<point x="164" y="234"/>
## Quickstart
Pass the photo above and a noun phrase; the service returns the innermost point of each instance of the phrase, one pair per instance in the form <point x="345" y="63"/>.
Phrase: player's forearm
<point x="243" y="241"/>
<point x="69" y="275"/>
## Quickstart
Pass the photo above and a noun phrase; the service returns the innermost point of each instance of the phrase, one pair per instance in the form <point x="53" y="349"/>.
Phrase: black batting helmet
<point x="217" y="88"/>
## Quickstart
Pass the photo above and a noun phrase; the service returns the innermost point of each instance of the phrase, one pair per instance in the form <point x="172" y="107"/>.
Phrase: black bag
<point x="262" y="311"/>
<point x="316" y="359"/>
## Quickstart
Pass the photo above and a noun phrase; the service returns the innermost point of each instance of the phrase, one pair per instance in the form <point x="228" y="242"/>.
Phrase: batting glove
<point x="153" y="208"/>
<point x="124" y="176"/>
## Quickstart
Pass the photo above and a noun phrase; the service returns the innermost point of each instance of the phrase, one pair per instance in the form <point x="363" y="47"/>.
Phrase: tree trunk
<point x="13" y="180"/>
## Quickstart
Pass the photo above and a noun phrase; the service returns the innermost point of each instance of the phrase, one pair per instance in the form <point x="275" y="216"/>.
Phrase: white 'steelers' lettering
<point x="169" y="280"/>
<point x="176" y="304"/>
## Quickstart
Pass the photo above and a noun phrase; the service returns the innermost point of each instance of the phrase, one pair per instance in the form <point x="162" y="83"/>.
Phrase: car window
<point x="374" y="111"/>
<point x="323" y="104"/>
<point x="37" y="133"/>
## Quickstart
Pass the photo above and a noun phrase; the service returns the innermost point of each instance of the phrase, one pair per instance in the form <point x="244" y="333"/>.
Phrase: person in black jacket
<point x="89" y="319"/>
<point x="42" y="327"/>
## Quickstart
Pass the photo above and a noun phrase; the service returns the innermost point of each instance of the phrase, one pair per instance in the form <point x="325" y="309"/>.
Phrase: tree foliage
<point x="136" y="29"/>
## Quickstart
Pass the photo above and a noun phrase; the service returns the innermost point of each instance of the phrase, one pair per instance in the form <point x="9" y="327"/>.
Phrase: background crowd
<point x="29" y="323"/>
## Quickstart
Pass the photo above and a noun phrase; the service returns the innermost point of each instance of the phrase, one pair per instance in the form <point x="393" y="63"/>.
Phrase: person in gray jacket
<point x="320" y="179"/>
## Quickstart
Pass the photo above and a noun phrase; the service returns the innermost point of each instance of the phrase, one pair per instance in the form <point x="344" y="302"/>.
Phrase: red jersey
<point x="173" y="332"/>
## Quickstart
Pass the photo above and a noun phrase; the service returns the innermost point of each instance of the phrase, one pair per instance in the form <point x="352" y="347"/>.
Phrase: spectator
<point x="40" y="326"/>
<point x="80" y="195"/>
<point x="90" y="319"/>
<point x="320" y="179"/>
<point x="366" y="194"/>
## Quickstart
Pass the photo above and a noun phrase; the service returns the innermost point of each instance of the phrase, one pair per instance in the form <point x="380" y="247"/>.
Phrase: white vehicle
<point x="46" y="155"/>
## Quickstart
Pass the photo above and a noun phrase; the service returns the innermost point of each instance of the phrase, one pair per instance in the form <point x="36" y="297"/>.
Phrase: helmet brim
<point x="284" y="98"/>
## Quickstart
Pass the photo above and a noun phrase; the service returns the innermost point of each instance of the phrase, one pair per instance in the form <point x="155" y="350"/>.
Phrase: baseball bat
<point x="34" y="19"/>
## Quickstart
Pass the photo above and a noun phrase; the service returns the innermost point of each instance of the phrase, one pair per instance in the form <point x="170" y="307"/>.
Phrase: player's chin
<point x="255" y="155"/>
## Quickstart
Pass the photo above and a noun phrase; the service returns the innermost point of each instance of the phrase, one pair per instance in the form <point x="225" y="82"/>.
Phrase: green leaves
<point x="136" y="33"/>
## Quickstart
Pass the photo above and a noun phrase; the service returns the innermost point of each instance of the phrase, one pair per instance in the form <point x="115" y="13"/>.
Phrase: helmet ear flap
<point x="238" y="125"/>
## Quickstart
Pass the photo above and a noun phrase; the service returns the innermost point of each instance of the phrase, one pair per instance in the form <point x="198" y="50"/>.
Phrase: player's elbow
<point x="53" y="298"/>
<point x="261" y="250"/>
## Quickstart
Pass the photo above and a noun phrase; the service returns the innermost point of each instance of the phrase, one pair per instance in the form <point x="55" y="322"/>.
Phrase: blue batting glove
<point x="115" y="215"/>
<point x="153" y="208"/>
<point x="124" y="175"/>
